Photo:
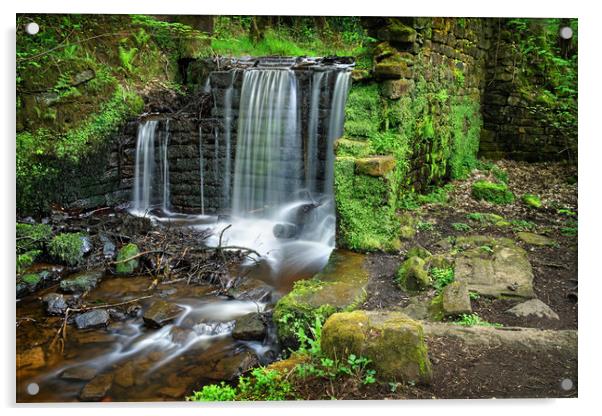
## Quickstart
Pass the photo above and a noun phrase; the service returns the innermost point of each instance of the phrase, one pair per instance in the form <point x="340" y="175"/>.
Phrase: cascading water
<point x="151" y="183"/>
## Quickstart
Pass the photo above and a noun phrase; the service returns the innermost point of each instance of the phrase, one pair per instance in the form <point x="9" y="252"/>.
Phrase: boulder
<point x="391" y="340"/>
<point x="535" y="308"/>
<point x="536" y="239"/>
<point x="412" y="275"/>
<point x="249" y="327"/>
<point x="92" y="319"/>
<point x="494" y="267"/>
<point x="252" y="289"/>
<point x="55" y="304"/>
<point x="161" y="313"/>
<point x="81" y="282"/>
<point x="97" y="388"/>
<point x="455" y="299"/>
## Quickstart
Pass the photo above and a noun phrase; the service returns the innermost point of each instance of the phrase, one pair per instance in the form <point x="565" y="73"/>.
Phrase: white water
<point x="151" y="182"/>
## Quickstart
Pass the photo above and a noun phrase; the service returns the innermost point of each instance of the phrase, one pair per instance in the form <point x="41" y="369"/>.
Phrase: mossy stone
<point x="375" y="165"/>
<point x="531" y="200"/>
<point x="391" y="340"/>
<point x="67" y="248"/>
<point x="496" y="193"/>
<point x="126" y="252"/>
<point x="31" y="279"/>
<point x="536" y="239"/>
<point x="419" y="251"/>
<point x="412" y="275"/>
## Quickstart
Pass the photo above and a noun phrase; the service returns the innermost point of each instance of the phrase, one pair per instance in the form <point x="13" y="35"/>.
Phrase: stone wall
<point x="517" y="117"/>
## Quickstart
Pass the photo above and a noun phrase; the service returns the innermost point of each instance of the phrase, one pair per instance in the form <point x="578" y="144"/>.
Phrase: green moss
<point x="354" y="148"/>
<point x="126" y="252"/>
<point x="67" y="248"/>
<point x="418" y="251"/>
<point x="465" y="118"/>
<point x="31" y="279"/>
<point x="496" y="193"/>
<point x="531" y="200"/>
<point x="32" y="236"/>
<point x="363" y="111"/>
<point x="365" y="207"/>
<point x="412" y="275"/>
<point x="26" y="259"/>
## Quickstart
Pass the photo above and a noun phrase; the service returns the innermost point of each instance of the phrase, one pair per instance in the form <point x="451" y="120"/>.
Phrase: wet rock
<point x="55" y="304"/>
<point x="536" y="239"/>
<point x="250" y="327"/>
<point x="28" y="283"/>
<point x="173" y="392"/>
<point x="394" y="342"/>
<point x="232" y="367"/>
<point x="124" y="375"/>
<point x="92" y="319"/>
<point x="83" y="77"/>
<point x="455" y="299"/>
<point x="80" y="373"/>
<point x="134" y="310"/>
<point x="108" y="247"/>
<point x="116" y="314"/>
<point x="81" y="282"/>
<point x="32" y="358"/>
<point x="252" y="289"/>
<point x="533" y="307"/>
<point x="412" y="274"/>
<point x="86" y="246"/>
<point x="161" y="313"/>
<point x="494" y="267"/>
<point x="97" y="388"/>
<point x="284" y="230"/>
<point x="127" y="252"/>
<point x="179" y="335"/>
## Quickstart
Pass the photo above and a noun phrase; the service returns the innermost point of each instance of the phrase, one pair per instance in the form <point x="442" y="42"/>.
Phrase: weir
<point x="265" y="161"/>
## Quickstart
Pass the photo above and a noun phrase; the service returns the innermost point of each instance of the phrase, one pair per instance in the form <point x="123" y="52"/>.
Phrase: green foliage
<point x="465" y="120"/>
<point x="492" y="192"/>
<point x="425" y="226"/>
<point x="436" y="196"/>
<point x="214" y="393"/>
<point x="363" y="114"/>
<point x="125" y="266"/>
<point x="522" y="225"/>
<point x="32" y="236"/>
<point x="263" y="384"/>
<point x="474" y="295"/>
<point x="460" y="226"/>
<point x="485" y="217"/>
<point x="474" y="320"/>
<point x="27" y="259"/>
<point x="126" y="56"/>
<point x="366" y="209"/>
<point x="67" y="248"/>
<point x="442" y="277"/>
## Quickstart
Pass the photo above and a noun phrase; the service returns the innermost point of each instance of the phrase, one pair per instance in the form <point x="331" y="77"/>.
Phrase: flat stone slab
<point x="529" y="339"/>
<point x="494" y="267"/>
<point x="533" y="307"/>
<point x="161" y="313"/>
<point x="536" y="239"/>
<point x="456" y="300"/>
<point x="97" y="388"/>
<point x="375" y="165"/>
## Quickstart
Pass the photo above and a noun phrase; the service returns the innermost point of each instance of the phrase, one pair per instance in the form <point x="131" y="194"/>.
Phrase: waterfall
<point x="312" y="135"/>
<point x="268" y="155"/>
<point x="226" y="183"/>
<point x="151" y="184"/>
<point x="201" y="170"/>
<point x="336" y="123"/>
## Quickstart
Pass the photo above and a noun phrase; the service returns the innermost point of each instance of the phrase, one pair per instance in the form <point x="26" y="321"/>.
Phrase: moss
<point x="365" y="207"/>
<point x="31" y="279"/>
<point x="126" y="252"/>
<point x="466" y="123"/>
<point x="412" y="275"/>
<point x="67" y="248"/>
<point x="418" y="251"/>
<point x="354" y="148"/>
<point x="363" y="111"/>
<point x="531" y="200"/>
<point x="32" y="236"/>
<point x="26" y="259"/>
<point x="496" y="193"/>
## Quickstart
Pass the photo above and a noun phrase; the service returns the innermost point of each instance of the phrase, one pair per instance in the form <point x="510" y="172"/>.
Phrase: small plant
<point x="474" y="320"/>
<point x="32" y="236"/>
<point x="460" y="226"/>
<point x="214" y="393"/>
<point x="263" y="384"/>
<point x="441" y="277"/>
<point x="495" y="193"/>
<point x="522" y="225"/>
<point x="566" y="212"/>
<point x="487" y="249"/>
<point x="424" y="226"/>
<point x="474" y="295"/>
<point x="67" y="247"/>
<point x="26" y="259"/>
<point x="126" y="56"/>
<point x="485" y="217"/>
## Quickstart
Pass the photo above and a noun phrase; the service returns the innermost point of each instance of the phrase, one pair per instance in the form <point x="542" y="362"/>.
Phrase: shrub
<point x="496" y="193"/>
<point x="26" y="259"/>
<point x="32" y="236"/>
<point x="474" y="320"/>
<point x="214" y="393"/>
<point x="67" y="248"/>
<point x="442" y="277"/>
<point x="460" y="226"/>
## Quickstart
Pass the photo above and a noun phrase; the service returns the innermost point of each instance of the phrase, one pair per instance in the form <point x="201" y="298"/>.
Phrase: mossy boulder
<point x="535" y="239"/>
<point x="339" y="287"/>
<point x="394" y="342"/>
<point x="531" y="200"/>
<point x="81" y="282"/>
<point x="497" y="193"/>
<point x="375" y="165"/>
<point x="123" y="265"/>
<point x="419" y="251"/>
<point x="455" y="299"/>
<point x="413" y="275"/>
<point x="68" y="248"/>
<point x="393" y="67"/>
<point x="397" y="88"/>
<point x="407" y="229"/>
